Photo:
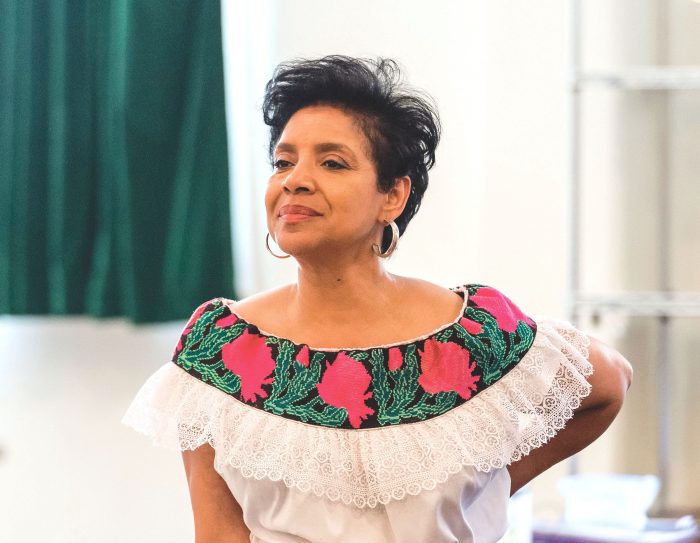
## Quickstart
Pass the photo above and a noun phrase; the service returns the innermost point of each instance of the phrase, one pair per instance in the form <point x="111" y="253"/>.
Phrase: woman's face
<point x="322" y="195"/>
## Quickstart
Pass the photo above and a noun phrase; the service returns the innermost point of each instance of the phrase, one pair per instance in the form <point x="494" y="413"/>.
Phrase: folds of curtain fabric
<point x="114" y="197"/>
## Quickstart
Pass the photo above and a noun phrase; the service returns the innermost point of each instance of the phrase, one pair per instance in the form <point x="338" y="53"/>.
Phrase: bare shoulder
<point x="257" y="306"/>
<point x="421" y="289"/>
<point x="426" y="299"/>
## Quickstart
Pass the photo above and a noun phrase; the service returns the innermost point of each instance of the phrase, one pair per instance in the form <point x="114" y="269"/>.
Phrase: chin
<point x="294" y="244"/>
<point x="305" y="247"/>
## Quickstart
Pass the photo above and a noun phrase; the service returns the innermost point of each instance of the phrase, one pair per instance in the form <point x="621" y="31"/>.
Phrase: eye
<point x="333" y="164"/>
<point x="281" y="164"/>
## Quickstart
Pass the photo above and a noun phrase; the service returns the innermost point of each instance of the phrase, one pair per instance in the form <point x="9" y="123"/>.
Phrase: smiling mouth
<point x="294" y="212"/>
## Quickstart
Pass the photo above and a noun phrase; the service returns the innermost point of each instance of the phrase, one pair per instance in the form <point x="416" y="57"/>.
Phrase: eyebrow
<point x="319" y="148"/>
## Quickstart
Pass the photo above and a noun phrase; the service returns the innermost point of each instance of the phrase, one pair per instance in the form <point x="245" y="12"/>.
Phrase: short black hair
<point x="401" y="123"/>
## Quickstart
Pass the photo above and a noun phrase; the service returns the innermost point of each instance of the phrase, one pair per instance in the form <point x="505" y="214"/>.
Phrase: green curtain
<point x="114" y="198"/>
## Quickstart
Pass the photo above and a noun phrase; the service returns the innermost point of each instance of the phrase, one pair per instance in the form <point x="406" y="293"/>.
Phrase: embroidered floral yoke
<point x="367" y="426"/>
<point x="357" y="388"/>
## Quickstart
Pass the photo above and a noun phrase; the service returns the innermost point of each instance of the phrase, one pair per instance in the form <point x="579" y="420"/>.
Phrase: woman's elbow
<point x="626" y="371"/>
<point x="623" y="374"/>
<point x="612" y="374"/>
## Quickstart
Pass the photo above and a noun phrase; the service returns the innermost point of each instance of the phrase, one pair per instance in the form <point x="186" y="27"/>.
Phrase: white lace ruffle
<point x="366" y="467"/>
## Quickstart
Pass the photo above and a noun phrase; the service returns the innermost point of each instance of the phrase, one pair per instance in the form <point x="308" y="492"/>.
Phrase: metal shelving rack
<point x="664" y="303"/>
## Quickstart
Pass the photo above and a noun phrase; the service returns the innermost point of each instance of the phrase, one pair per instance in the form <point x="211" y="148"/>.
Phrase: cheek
<point x="271" y="195"/>
<point x="361" y="205"/>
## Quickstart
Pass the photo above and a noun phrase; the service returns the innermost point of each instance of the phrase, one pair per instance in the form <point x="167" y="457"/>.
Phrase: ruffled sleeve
<point x="529" y="405"/>
<point x="520" y="411"/>
<point x="174" y="409"/>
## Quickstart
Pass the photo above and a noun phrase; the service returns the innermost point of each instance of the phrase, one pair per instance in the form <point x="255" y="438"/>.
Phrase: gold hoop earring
<point x="392" y="246"/>
<point x="267" y="244"/>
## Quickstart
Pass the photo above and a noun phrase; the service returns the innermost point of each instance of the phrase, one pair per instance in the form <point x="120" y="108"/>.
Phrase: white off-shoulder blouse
<point x="405" y="442"/>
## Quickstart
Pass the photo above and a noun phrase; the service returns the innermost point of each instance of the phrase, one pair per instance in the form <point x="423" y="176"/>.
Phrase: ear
<point x="396" y="198"/>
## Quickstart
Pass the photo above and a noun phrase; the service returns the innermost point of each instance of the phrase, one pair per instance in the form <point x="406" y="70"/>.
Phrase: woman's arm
<point x="612" y="376"/>
<point x="218" y="518"/>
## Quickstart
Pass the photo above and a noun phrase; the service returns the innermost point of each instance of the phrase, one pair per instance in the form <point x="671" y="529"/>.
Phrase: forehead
<point x="322" y="123"/>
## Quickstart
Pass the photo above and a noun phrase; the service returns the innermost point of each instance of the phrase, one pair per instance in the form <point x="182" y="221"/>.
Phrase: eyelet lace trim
<point x="367" y="467"/>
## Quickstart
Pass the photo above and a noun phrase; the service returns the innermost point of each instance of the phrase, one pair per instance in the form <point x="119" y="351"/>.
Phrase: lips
<point x="297" y="210"/>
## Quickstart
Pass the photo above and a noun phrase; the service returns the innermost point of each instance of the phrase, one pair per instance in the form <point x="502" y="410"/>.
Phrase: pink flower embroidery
<point x="470" y="326"/>
<point x="303" y="356"/>
<point x="190" y="324"/>
<point x="343" y="385"/>
<point x="445" y="367"/>
<point x="395" y="359"/>
<point x="507" y="314"/>
<point x="227" y="321"/>
<point x="251" y="359"/>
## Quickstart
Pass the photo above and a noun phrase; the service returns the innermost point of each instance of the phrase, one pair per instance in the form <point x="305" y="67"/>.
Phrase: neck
<point x="338" y="285"/>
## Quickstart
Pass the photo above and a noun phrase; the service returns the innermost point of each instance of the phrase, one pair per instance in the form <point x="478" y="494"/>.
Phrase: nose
<point x="299" y="179"/>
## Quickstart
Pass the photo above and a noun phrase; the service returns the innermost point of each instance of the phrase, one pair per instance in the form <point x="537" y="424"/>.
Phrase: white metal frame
<point x="664" y="304"/>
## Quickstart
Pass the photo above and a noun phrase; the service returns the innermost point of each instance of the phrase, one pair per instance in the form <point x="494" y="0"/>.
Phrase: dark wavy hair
<point x="401" y="123"/>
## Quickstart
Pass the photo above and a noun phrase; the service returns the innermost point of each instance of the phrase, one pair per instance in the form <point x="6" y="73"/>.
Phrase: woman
<point x="354" y="404"/>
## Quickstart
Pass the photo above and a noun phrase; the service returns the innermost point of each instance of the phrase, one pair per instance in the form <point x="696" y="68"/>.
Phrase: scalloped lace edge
<point x="368" y="467"/>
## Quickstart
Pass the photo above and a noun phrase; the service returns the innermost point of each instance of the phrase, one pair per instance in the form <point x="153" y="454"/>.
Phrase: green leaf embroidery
<point x="475" y="344"/>
<point x="441" y="402"/>
<point x="380" y="391"/>
<point x="330" y="416"/>
<point x="281" y="377"/>
<point x="210" y="339"/>
<point x="405" y="385"/>
<point x="228" y="381"/>
<point x="444" y="335"/>
<point x="358" y="355"/>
